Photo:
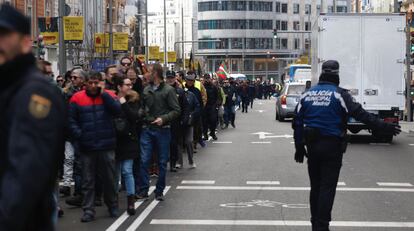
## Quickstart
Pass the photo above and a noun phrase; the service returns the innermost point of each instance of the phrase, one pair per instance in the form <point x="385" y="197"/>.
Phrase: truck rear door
<point x="383" y="51"/>
<point x="340" y="39"/>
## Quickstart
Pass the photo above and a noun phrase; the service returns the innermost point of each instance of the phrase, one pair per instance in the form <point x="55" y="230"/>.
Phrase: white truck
<point x="371" y="51"/>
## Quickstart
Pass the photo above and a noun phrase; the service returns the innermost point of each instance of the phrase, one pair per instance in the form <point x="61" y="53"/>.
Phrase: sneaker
<point x="214" y="136"/>
<point x="202" y="143"/>
<point x="87" y="217"/>
<point x="233" y="125"/>
<point x="60" y="212"/>
<point x="178" y="166"/>
<point x="142" y="197"/>
<point x="113" y="212"/>
<point x="193" y="166"/>
<point x="159" y="197"/>
<point x="173" y="170"/>
<point x="75" y="201"/>
<point x="65" y="191"/>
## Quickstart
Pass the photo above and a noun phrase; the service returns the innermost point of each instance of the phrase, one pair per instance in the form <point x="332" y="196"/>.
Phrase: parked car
<point x="288" y="99"/>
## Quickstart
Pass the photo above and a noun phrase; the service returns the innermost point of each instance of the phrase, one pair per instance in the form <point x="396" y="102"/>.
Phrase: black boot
<point x="65" y="191"/>
<point x="131" y="205"/>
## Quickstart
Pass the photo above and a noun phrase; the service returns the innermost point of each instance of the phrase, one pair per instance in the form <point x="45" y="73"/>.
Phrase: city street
<point x="248" y="180"/>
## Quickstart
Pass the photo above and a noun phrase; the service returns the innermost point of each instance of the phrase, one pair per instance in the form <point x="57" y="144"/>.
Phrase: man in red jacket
<point x="91" y="112"/>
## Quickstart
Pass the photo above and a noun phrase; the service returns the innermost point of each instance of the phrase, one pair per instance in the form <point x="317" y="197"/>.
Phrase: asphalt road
<point x="248" y="181"/>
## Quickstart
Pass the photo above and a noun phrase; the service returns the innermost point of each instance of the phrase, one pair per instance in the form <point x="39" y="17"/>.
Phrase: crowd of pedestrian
<point x="132" y="122"/>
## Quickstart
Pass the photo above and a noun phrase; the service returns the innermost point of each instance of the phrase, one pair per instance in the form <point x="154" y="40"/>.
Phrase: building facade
<point x="245" y="30"/>
<point x="180" y="27"/>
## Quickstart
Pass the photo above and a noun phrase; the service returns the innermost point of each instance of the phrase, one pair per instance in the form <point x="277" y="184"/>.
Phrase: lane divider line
<point x="263" y="182"/>
<point x="125" y="215"/>
<point x="261" y="142"/>
<point x="198" y="182"/>
<point x="359" y="224"/>
<point x="135" y="225"/>
<point x="222" y="142"/>
<point x="263" y="188"/>
<point x="393" y="184"/>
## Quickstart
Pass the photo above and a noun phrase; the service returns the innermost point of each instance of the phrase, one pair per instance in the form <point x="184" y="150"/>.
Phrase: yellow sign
<point x="161" y="57"/>
<point x="187" y="63"/>
<point x="73" y="28"/>
<point x="101" y="43"/>
<point x="154" y="52"/>
<point x="172" y="56"/>
<point x="50" y="37"/>
<point x="120" y="41"/>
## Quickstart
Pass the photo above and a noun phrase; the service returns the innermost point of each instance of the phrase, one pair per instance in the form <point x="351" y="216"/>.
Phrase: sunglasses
<point x="59" y="80"/>
<point x="126" y="64"/>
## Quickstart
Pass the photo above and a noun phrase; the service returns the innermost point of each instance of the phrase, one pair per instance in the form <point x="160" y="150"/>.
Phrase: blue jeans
<point x="125" y="169"/>
<point x="161" y="138"/>
<point x="229" y="114"/>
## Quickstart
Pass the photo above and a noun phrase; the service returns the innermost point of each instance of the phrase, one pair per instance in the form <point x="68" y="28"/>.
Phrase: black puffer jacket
<point x="127" y="146"/>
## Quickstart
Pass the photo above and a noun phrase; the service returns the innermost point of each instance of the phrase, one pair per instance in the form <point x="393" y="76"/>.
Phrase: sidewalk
<point x="407" y="127"/>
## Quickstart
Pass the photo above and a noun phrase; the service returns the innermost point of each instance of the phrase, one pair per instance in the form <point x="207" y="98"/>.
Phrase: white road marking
<point x="222" y="142"/>
<point x="198" y="182"/>
<point x="341" y="184"/>
<point x="392" y="184"/>
<point x="411" y="144"/>
<point x="62" y="184"/>
<point x="262" y="142"/>
<point x="266" y="135"/>
<point x="360" y="224"/>
<point x="135" y="225"/>
<point x="263" y="188"/>
<point x="260" y="111"/>
<point x="380" y="144"/>
<point x="125" y="215"/>
<point x="292" y="142"/>
<point x="263" y="182"/>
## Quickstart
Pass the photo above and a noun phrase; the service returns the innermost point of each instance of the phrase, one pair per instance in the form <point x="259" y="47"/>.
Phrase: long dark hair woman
<point x="127" y="137"/>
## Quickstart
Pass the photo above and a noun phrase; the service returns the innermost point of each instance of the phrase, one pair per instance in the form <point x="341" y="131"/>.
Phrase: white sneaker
<point x="178" y="166"/>
<point x="193" y="166"/>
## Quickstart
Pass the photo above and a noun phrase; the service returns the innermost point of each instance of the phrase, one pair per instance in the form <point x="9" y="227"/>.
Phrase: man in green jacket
<point x="161" y="108"/>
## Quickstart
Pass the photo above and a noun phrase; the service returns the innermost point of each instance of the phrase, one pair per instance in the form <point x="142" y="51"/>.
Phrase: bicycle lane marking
<point x="125" y="215"/>
<point x="138" y="221"/>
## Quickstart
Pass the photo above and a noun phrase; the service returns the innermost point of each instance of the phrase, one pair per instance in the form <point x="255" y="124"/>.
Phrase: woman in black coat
<point x="127" y="148"/>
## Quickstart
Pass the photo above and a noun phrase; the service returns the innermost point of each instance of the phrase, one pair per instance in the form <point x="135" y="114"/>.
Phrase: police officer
<point x="320" y="125"/>
<point x="31" y="131"/>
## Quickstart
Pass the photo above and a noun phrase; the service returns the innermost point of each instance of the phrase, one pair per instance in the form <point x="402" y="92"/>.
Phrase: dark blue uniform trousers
<point x="324" y="165"/>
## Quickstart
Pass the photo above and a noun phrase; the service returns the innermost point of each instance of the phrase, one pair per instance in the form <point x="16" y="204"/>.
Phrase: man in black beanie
<point x="32" y="125"/>
<point x="320" y="125"/>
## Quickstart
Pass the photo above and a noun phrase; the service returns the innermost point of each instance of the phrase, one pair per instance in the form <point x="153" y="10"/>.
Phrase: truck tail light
<point x="393" y="120"/>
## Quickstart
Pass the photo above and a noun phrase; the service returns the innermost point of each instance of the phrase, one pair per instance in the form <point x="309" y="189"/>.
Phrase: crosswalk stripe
<point x="135" y="225"/>
<point x="263" y="182"/>
<point x="392" y="184"/>
<point x="359" y="224"/>
<point x="269" y="188"/>
<point x="125" y="215"/>
<point x="198" y="182"/>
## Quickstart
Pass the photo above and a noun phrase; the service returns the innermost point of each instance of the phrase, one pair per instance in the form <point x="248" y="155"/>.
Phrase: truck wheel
<point x="354" y="130"/>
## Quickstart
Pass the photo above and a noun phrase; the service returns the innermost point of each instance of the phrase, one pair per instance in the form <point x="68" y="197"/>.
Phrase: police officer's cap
<point x="330" y="67"/>
<point x="170" y="74"/>
<point x="12" y="20"/>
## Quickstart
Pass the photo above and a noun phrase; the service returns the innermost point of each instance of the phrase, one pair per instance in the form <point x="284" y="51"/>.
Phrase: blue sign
<point x="100" y="64"/>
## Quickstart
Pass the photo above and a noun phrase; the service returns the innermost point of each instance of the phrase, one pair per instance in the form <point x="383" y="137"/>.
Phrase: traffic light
<point x="412" y="47"/>
<point x="275" y="33"/>
<point x="412" y="92"/>
<point x="40" y="46"/>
